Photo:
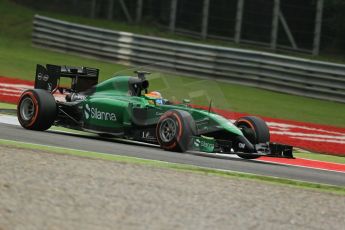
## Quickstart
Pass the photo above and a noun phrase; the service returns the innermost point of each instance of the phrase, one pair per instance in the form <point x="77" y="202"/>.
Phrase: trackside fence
<point x="259" y="69"/>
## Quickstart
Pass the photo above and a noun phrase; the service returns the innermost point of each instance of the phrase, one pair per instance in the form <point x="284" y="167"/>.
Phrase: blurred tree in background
<point x="334" y="27"/>
<point x="257" y="18"/>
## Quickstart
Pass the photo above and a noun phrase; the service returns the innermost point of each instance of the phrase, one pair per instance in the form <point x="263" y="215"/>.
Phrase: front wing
<point x="211" y="145"/>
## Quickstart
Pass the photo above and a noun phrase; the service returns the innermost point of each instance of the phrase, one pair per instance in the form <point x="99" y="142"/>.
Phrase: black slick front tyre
<point x="174" y="130"/>
<point x="255" y="130"/>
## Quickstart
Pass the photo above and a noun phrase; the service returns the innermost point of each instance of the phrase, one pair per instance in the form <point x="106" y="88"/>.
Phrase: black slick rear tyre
<point x="36" y="109"/>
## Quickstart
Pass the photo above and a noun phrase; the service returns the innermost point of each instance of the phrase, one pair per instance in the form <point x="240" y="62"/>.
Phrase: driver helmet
<point x="157" y="95"/>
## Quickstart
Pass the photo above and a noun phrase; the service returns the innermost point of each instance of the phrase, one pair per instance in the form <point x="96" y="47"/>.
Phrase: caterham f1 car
<point x="122" y="107"/>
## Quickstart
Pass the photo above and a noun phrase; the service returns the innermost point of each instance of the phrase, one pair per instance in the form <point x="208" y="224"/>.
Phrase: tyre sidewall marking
<point x="178" y="137"/>
<point x="251" y="125"/>
<point x="34" y="118"/>
<point x="247" y="122"/>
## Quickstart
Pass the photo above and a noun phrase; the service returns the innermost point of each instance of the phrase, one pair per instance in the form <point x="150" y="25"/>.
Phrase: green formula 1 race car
<point x="122" y="107"/>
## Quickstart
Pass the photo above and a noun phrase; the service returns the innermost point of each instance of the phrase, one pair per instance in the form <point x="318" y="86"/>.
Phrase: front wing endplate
<point x="211" y="145"/>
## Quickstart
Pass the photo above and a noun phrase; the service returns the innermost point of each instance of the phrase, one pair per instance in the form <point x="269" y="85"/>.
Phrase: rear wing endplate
<point x="48" y="78"/>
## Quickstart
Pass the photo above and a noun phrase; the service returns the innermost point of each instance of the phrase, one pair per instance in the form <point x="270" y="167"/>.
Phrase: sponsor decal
<point x="197" y="143"/>
<point x="97" y="114"/>
<point x="41" y="77"/>
<point x="87" y="111"/>
<point x="50" y="88"/>
<point x="241" y="145"/>
<point x="204" y="144"/>
<point x="146" y="135"/>
<point x="77" y="97"/>
<point x="45" y="77"/>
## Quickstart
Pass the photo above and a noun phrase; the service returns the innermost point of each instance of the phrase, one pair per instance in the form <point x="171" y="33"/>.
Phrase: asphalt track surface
<point x="93" y="143"/>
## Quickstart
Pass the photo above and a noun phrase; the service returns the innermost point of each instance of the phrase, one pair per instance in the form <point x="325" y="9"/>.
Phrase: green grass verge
<point x="320" y="157"/>
<point x="7" y="106"/>
<point x="18" y="59"/>
<point x="180" y="167"/>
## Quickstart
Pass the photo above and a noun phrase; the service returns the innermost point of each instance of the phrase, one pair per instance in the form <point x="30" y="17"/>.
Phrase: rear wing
<point x="48" y="78"/>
